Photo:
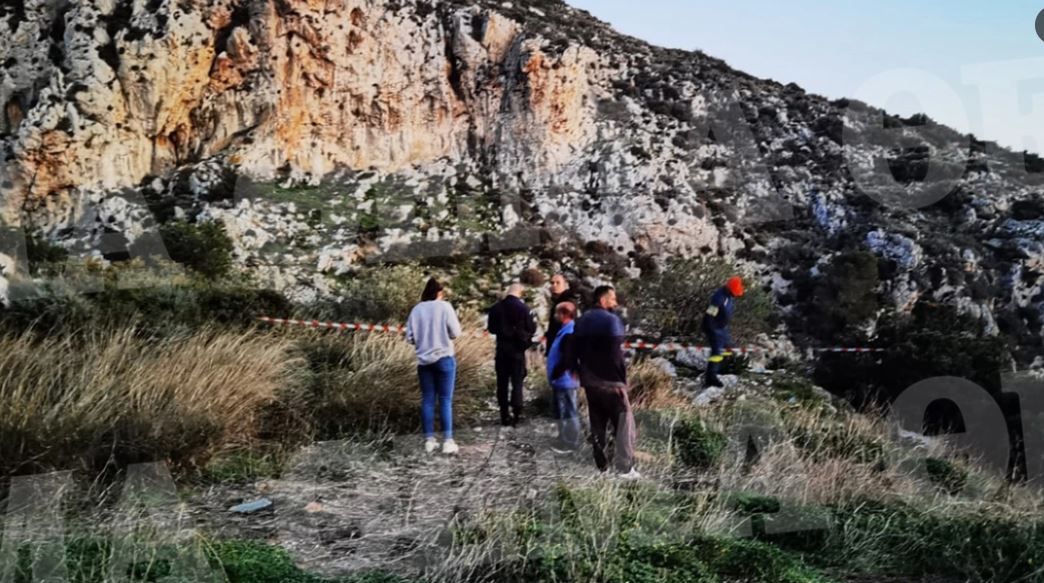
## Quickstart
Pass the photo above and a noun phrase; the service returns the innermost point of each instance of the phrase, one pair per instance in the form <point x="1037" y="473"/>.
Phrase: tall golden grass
<point x="652" y="388"/>
<point x="368" y="381"/>
<point x="112" y="395"/>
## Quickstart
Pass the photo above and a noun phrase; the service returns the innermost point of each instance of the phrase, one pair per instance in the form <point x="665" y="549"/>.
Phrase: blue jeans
<point x="436" y="379"/>
<point x="569" y="432"/>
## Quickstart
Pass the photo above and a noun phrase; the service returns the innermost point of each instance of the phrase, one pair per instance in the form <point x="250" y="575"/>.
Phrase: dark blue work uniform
<point x="716" y="327"/>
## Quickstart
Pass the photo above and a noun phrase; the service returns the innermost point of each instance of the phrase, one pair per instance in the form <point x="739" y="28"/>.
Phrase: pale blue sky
<point x="975" y="65"/>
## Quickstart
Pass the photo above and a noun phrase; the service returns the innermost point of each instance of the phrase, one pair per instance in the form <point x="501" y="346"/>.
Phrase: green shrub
<point x="788" y="386"/>
<point x="659" y="562"/>
<point x="44" y="257"/>
<point x="752" y="503"/>
<point x="248" y="561"/>
<point x="162" y="309"/>
<point x="204" y="247"/>
<point x="753" y="560"/>
<point x="697" y="446"/>
<point x="257" y="562"/>
<point x="948" y="475"/>
<point x="933" y="341"/>
<point x="88" y="560"/>
<point x="844" y="297"/>
<point x="379" y="294"/>
<point x="672" y="302"/>
<point x="976" y="544"/>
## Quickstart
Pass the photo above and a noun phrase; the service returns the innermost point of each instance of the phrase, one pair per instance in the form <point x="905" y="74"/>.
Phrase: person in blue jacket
<point x="565" y="384"/>
<point x="716" y="327"/>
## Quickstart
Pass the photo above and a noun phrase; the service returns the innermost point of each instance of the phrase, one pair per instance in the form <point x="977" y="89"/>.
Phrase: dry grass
<point x="652" y="388"/>
<point x="113" y="396"/>
<point x="368" y="381"/>
<point x="823" y="458"/>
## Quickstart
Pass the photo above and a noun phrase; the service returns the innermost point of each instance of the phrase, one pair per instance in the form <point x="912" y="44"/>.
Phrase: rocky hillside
<point x="328" y="134"/>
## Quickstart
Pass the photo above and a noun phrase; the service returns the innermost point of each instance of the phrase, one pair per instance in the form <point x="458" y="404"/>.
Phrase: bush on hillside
<point x="841" y="299"/>
<point x="379" y="294"/>
<point x="933" y="341"/>
<point x="248" y="561"/>
<point x="44" y="257"/>
<point x="697" y="446"/>
<point x="203" y="247"/>
<point x="161" y="309"/>
<point x="672" y="302"/>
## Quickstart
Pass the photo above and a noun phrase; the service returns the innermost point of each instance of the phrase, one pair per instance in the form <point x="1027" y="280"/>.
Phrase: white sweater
<point x="431" y="328"/>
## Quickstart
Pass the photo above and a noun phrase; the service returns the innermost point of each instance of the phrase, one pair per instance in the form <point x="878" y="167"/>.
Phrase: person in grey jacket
<point x="431" y="328"/>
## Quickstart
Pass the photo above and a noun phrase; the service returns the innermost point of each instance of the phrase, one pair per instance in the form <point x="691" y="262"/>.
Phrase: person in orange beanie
<point x="716" y="327"/>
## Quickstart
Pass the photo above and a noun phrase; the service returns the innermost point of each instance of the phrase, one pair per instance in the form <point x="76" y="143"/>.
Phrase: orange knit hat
<point x="735" y="285"/>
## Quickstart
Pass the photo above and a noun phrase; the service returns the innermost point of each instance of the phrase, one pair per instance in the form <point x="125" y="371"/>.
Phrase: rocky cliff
<point x="329" y="133"/>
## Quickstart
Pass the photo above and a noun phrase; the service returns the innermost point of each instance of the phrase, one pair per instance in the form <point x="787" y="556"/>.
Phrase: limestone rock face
<point x="329" y="133"/>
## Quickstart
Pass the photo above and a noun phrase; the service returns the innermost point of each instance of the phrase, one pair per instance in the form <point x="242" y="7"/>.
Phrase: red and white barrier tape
<point x="636" y="344"/>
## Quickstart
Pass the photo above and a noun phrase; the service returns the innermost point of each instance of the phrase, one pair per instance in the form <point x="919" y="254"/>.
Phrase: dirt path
<point x="342" y="507"/>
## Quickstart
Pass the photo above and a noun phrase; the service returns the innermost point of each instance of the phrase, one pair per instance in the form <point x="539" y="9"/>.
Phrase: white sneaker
<point x="630" y="476"/>
<point x="430" y="445"/>
<point x="449" y="447"/>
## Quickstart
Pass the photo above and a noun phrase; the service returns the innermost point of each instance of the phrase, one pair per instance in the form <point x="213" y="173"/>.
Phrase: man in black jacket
<point x="511" y="321"/>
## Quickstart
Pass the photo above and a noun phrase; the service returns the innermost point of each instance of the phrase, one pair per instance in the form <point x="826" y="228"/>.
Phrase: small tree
<point x="205" y="247"/>
<point x="43" y="255"/>
<point x="935" y="340"/>
<point x="379" y="294"/>
<point x="844" y="297"/>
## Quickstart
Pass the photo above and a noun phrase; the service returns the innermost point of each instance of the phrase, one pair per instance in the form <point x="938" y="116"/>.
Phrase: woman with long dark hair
<point x="431" y="328"/>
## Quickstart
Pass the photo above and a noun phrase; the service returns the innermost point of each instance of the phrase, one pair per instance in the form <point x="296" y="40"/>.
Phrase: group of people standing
<point x="583" y="351"/>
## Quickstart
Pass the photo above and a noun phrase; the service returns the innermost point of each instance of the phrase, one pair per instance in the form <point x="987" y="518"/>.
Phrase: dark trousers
<point x="718" y="338"/>
<point x="607" y="404"/>
<point x="511" y="370"/>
